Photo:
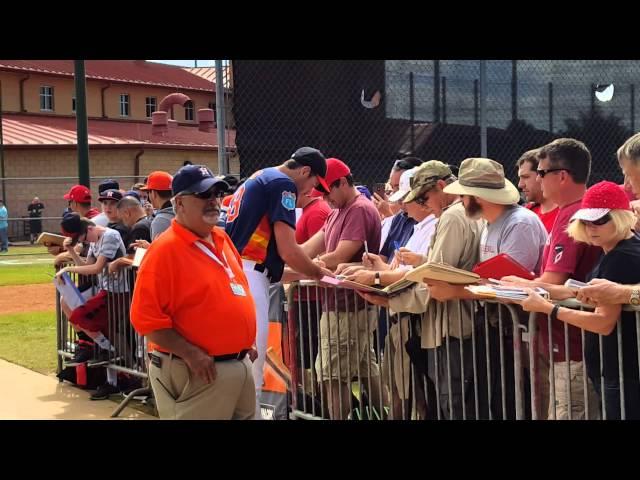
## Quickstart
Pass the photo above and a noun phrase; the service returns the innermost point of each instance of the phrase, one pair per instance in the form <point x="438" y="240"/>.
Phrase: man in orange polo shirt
<point x="192" y="302"/>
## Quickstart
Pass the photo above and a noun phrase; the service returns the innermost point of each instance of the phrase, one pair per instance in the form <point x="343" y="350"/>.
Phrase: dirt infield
<point x="27" y="298"/>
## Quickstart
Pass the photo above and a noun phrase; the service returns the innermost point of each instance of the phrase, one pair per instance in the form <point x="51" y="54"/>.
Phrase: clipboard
<point x="500" y="266"/>
<point x="50" y="239"/>
<point x="442" y="272"/>
<point x="361" y="287"/>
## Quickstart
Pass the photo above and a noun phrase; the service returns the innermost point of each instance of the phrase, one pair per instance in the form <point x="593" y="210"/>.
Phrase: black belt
<point x="259" y="267"/>
<point x="218" y="358"/>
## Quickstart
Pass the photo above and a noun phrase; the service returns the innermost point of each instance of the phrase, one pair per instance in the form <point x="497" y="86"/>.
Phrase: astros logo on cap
<point x="204" y="171"/>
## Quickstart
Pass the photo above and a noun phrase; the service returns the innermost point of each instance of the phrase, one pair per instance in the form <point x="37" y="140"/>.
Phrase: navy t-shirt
<point x="269" y="196"/>
<point x="620" y="265"/>
<point x="400" y="232"/>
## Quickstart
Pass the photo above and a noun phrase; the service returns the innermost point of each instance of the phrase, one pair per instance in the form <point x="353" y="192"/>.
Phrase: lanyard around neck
<point x="215" y="258"/>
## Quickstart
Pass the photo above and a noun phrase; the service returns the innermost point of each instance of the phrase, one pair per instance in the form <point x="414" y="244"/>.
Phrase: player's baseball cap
<point x="78" y="193"/>
<point x="315" y="160"/>
<point x="195" y="179"/>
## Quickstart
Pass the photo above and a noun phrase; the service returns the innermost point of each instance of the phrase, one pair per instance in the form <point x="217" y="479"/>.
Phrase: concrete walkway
<point x="28" y="395"/>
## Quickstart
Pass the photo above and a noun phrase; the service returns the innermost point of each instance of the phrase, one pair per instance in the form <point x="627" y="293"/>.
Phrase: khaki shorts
<point x="397" y="358"/>
<point x="346" y="345"/>
<point x="578" y="408"/>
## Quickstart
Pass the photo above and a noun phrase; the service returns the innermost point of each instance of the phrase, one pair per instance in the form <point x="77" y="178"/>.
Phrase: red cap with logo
<point x="78" y="193"/>
<point x="335" y="169"/>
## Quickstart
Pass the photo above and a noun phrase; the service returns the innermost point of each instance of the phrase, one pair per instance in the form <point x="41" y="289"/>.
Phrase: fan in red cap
<point x="599" y="200"/>
<point x="605" y="220"/>
<point x="336" y="169"/>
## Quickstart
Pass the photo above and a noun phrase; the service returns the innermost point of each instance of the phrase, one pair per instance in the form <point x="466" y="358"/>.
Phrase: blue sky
<point x="187" y="63"/>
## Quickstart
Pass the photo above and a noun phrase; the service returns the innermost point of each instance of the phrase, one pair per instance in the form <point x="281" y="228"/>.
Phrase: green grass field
<point x="29" y="339"/>
<point x="26" y="266"/>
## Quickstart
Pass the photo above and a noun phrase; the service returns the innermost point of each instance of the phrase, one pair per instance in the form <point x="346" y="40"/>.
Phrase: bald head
<point x="130" y="210"/>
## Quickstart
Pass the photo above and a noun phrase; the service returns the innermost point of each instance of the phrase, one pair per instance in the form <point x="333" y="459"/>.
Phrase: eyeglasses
<point x="422" y="200"/>
<point x="542" y="173"/>
<point x="599" y="222"/>
<point x="212" y="192"/>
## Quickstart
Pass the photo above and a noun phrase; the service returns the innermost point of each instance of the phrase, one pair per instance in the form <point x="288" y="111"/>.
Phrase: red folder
<point x="500" y="266"/>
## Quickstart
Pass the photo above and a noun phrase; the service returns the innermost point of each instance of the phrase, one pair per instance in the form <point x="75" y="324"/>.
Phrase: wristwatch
<point x="376" y="281"/>
<point x="635" y="297"/>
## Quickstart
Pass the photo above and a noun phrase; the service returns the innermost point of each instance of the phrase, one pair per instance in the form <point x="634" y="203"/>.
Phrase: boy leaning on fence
<point x="92" y="317"/>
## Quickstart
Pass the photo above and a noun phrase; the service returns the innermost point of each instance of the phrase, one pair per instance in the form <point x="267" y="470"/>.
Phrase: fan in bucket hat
<point x="484" y="178"/>
<point x="599" y="200"/>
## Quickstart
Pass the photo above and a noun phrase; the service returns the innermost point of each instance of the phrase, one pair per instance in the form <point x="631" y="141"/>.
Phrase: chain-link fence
<point x="50" y="191"/>
<point x="369" y="113"/>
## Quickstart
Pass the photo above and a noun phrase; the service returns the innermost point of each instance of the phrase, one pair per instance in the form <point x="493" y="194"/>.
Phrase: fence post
<point x="220" y="126"/>
<point x="483" y="108"/>
<point x="475" y="102"/>
<point x="633" y="108"/>
<point x="444" y="100"/>
<point x="550" y="107"/>
<point x="514" y="90"/>
<point x="81" y="124"/>
<point x="412" y="112"/>
<point x="436" y="91"/>
<point x="4" y="186"/>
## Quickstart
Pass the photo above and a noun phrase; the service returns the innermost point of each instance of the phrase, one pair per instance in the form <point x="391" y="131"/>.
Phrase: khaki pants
<point x="346" y="346"/>
<point x="181" y="396"/>
<point x="576" y="381"/>
<point x="397" y="359"/>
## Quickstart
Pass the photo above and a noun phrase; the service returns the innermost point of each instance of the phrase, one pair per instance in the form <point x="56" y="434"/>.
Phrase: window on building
<point x="124" y="104"/>
<point x="73" y="103"/>
<point x="46" y="98"/>
<point x="188" y="111"/>
<point x="151" y="105"/>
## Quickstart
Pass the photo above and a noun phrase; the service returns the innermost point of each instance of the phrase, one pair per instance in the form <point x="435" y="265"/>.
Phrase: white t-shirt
<point x="420" y="241"/>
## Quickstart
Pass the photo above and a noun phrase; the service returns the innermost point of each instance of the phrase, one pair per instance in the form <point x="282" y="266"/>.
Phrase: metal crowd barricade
<point x="342" y="370"/>
<point x="66" y="336"/>
<point x="580" y="388"/>
<point x="129" y="351"/>
<point x="129" y="355"/>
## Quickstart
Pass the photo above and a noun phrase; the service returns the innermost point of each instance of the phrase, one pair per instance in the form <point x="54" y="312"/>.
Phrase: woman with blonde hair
<point x="605" y="220"/>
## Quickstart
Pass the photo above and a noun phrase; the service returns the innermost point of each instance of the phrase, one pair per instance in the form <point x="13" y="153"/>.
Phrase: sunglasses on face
<point x="422" y="200"/>
<point x="542" y="173"/>
<point x="212" y="192"/>
<point x="599" y="222"/>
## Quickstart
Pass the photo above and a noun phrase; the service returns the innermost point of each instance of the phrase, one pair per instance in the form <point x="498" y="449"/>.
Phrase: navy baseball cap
<point x="195" y="179"/>
<point x="314" y="159"/>
<point x="108" y="184"/>
<point x="134" y="194"/>
<point x="110" y="194"/>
